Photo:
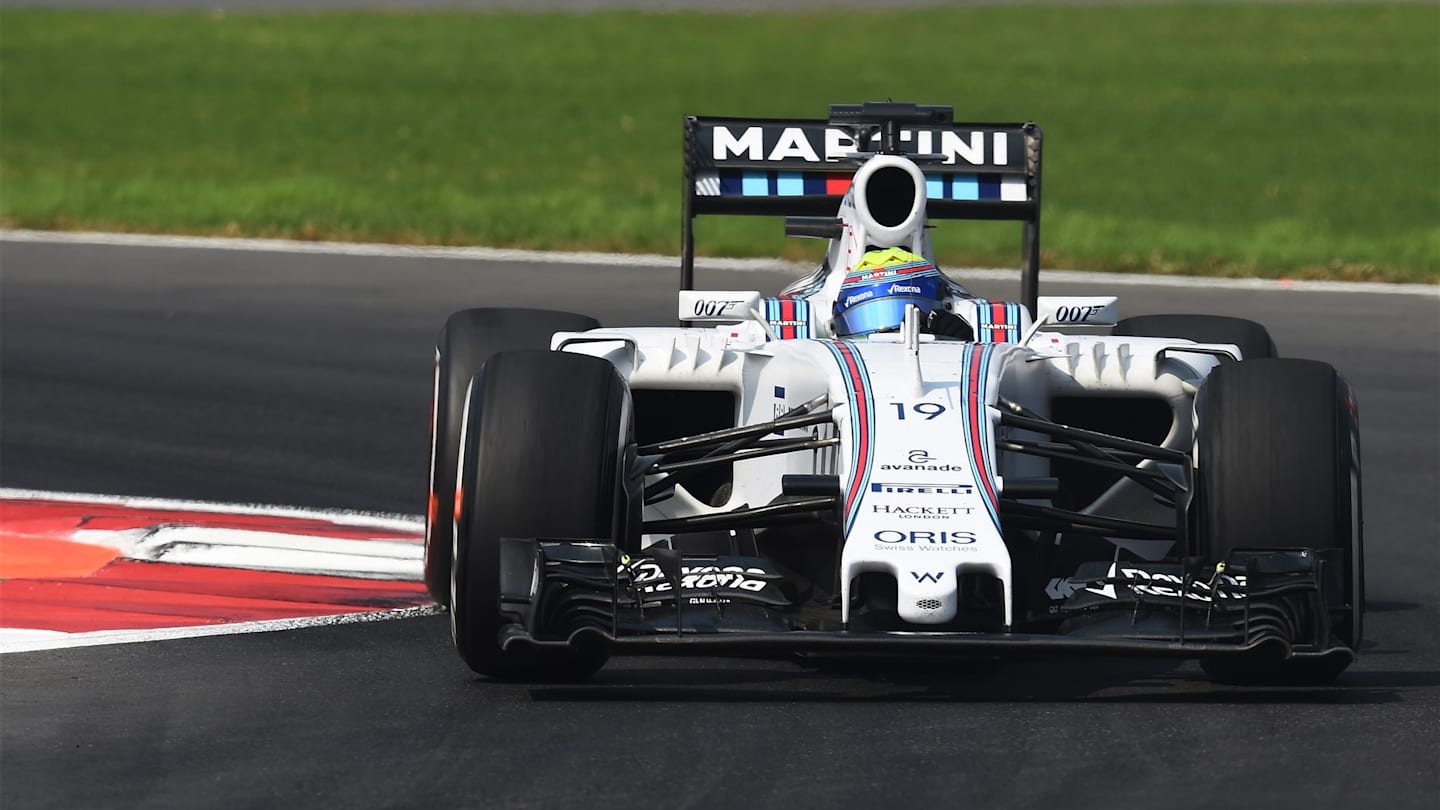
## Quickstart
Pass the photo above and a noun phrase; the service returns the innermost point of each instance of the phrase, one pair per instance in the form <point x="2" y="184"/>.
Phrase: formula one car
<point x="875" y="460"/>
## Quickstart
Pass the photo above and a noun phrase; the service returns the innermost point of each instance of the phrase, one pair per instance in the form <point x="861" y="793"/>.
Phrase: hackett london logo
<point x="923" y="512"/>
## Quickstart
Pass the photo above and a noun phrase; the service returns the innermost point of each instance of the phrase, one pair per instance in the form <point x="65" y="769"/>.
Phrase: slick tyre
<point x="1278" y="454"/>
<point x="468" y="338"/>
<point x="1253" y="339"/>
<point x="546" y="442"/>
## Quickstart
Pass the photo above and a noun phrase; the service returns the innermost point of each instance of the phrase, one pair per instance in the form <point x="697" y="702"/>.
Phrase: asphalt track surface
<point x="267" y="377"/>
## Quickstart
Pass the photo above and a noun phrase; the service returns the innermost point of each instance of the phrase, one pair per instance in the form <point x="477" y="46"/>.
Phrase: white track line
<point x="379" y="249"/>
<point x="17" y="641"/>
<point x="295" y="246"/>
<point x="23" y="640"/>
<point x="343" y="517"/>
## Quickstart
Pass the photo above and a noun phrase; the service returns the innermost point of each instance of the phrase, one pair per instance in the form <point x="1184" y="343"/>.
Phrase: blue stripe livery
<point x="755" y="184"/>
<point x="862" y="424"/>
<point x="789" y="184"/>
<point x="975" y="411"/>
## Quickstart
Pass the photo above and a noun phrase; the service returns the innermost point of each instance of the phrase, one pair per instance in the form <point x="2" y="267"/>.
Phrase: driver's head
<point x="874" y="295"/>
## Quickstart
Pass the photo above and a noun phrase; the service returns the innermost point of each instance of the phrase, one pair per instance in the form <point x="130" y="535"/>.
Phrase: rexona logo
<point x="1156" y="583"/>
<point x="814" y="145"/>
<point x="904" y="289"/>
<point x="647" y="574"/>
<point x="922" y="489"/>
<point x="917" y="538"/>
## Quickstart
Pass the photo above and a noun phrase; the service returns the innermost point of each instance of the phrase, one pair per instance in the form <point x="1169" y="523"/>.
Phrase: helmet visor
<point x="879" y="315"/>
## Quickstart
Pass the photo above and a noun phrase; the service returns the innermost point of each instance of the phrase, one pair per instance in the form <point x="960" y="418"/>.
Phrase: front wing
<point x="1270" y="603"/>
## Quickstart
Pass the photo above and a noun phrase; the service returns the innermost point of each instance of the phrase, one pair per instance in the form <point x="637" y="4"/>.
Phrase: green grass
<point x="1298" y="140"/>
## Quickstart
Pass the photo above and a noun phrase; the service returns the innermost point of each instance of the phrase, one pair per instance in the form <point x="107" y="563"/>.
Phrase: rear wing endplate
<point x="803" y="167"/>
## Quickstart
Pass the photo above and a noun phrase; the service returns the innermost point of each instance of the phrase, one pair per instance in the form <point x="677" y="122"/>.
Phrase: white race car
<point x="874" y="460"/>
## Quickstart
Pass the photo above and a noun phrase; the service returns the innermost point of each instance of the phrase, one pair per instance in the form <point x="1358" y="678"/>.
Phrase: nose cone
<point x="926" y="596"/>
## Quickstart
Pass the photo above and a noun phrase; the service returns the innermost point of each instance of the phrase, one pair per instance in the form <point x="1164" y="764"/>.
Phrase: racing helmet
<point x="874" y="295"/>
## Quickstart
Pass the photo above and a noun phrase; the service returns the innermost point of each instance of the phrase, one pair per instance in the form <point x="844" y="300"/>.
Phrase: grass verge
<point x="1299" y="140"/>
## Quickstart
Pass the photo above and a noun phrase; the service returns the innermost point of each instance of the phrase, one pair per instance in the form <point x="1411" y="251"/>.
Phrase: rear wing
<point x="803" y="167"/>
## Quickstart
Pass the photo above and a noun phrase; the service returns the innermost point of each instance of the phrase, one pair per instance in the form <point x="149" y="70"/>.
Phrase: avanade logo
<point x="920" y="460"/>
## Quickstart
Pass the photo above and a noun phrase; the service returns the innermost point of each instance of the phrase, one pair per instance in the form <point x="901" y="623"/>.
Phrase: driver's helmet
<point x="874" y="295"/>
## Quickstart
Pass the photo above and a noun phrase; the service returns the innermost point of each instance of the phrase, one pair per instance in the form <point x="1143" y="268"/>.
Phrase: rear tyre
<point x="1278" y="453"/>
<point x="546" y="440"/>
<point x="468" y="338"/>
<point x="1253" y="339"/>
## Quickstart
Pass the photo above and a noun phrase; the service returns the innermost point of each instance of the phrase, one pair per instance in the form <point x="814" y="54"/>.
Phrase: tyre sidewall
<point x="546" y="438"/>
<point x="468" y="338"/>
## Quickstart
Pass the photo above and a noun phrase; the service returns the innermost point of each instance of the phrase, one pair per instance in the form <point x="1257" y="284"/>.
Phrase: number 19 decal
<point x="929" y="410"/>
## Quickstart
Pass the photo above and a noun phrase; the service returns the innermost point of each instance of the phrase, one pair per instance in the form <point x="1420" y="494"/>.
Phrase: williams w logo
<point x="926" y="576"/>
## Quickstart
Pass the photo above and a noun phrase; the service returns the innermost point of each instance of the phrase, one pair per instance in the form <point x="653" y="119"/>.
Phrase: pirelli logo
<point x="922" y="489"/>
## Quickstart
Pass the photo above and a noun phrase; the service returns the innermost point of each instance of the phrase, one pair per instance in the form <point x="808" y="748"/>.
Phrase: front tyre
<point x="545" y="441"/>
<point x="1278" y="454"/>
<point x="467" y="340"/>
